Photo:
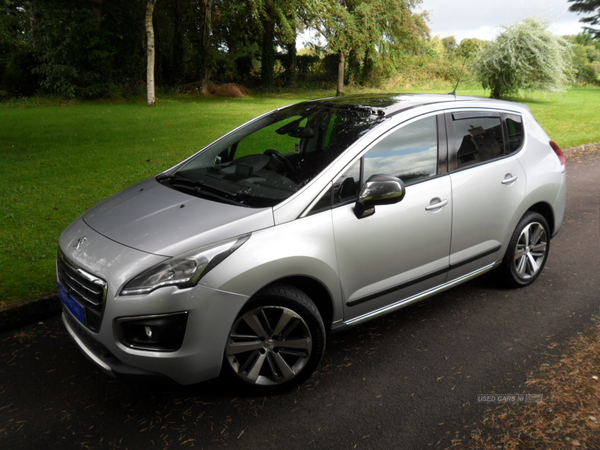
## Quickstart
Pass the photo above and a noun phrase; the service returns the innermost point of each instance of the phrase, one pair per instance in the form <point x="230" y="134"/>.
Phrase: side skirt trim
<point x="392" y="289"/>
<point x="416" y="298"/>
<point x="368" y="298"/>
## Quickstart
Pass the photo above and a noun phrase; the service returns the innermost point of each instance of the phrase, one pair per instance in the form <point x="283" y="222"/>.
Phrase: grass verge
<point x="57" y="161"/>
<point x="60" y="159"/>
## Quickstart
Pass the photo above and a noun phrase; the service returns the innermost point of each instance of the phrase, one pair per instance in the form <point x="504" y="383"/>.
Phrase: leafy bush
<point x="524" y="57"/>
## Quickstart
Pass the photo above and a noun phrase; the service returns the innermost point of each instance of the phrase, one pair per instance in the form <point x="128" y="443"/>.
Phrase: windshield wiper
<point x="200" y="187"/>
<point x="176" y="177"/>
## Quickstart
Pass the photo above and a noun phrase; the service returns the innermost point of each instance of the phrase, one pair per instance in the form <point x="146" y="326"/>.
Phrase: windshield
<point x="268" y="160"/>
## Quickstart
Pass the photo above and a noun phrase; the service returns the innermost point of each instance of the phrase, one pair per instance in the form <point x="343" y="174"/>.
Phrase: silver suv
<point x="307" y="220"/>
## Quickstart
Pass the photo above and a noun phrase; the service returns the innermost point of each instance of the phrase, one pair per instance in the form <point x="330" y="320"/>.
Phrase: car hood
<point x="157" y="219"/>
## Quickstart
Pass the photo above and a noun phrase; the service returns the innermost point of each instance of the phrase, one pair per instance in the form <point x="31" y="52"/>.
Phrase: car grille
<point x="86" y="289"/>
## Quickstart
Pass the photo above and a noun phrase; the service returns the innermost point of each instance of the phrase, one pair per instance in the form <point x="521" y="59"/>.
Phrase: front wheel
<point x="276" y="342"/>
<point x="527" y="251"/>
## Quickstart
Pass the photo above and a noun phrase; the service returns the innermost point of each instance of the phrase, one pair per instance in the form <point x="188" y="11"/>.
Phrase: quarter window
<point x="344" y="190"/>
<point x="514" y="124"/>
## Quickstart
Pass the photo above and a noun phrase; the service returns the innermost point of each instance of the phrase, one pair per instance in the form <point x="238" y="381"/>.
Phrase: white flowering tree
<point x="526" y="56"/>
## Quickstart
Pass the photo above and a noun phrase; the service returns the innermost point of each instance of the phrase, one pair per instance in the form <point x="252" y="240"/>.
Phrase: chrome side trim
<point x="101" y="364"/>
<point x="416" y="298"/>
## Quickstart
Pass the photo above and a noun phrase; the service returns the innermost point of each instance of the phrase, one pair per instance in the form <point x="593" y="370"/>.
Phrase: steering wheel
<point x="277" y="156"/>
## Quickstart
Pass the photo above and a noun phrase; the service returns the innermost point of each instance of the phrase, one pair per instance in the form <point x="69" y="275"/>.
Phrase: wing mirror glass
<point x="378" y="190"/>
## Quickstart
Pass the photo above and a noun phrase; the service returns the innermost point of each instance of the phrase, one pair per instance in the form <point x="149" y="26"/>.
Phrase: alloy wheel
<point x="531" y="250"/>
<point x="269" y="345"/>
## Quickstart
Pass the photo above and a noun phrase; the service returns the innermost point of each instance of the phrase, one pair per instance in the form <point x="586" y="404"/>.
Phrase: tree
<point x="449" y="44"/>
<point x="86" y="48"/>
<point x="16" y="51"/>
<point x="524" y="57"/>
<point x="150" y="53"/>
<point x="202" y="47"/>
<point x="99" y="48"/>
<point x="277" y="22"/>
<point x="586" y="61"/>
<point x="588" y="6"/>
<point x="469" y="47"/>
<point x="368" y="27"/>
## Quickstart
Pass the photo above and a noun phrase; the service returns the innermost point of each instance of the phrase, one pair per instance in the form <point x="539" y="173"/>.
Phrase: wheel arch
<point x="315" y="290"/>
<point x="527" y="252"/>
<point x="547" y="212"/>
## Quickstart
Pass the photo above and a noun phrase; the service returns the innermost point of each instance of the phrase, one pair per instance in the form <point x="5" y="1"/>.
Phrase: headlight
<point x="184" y="270"/>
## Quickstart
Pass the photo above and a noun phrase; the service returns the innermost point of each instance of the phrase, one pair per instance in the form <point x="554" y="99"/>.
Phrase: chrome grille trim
<point x="93" y="296"/>
<point x="87" y="289"/>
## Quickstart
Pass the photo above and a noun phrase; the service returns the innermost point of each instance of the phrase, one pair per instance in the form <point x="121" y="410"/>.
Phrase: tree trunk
<point x="179" y="72"/>
<point x="97" y="10"/>
<point x="207" y="64"/>
<point x="291" y="65"/>
<point x="150" y="53"/>
<point x="267" y="71"/>
<point x="496" y="92"/>
<point x="341" y="71"/>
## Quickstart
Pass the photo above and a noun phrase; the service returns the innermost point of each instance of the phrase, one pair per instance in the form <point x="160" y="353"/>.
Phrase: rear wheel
<point x="276" y="342"/>
<point x="527" y="251"/>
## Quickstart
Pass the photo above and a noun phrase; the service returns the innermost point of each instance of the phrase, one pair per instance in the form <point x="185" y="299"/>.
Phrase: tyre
<point x="527" y="251"/>
<point x="275" y="343"/>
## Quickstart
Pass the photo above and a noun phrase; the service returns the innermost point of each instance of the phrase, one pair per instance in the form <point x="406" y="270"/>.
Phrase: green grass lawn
<point x="57" y="161"/>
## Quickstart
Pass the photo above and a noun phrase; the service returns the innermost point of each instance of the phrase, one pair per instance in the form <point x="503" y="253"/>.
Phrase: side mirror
<point x="378" y="190"/>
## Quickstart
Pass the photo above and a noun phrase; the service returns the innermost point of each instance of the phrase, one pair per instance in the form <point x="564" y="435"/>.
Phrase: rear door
<point x="488" y="184"/>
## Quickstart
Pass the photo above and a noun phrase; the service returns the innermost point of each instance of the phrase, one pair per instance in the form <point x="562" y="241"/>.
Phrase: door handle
<point x="509" y="179"/>
<point x="437" y="205"/>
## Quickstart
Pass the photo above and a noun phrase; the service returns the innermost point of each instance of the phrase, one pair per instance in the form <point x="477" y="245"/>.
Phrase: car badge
<point x="80" y="242"/>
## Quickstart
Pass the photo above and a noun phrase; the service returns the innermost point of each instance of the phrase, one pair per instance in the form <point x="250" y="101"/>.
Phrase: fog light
<point x="163" y="333"/>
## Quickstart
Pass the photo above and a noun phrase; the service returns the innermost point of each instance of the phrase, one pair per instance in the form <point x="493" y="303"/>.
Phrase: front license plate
<point x="75" y="308"/>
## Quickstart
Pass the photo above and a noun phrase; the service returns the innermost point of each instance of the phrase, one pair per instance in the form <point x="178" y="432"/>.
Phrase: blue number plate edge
<point x="75" y="308"/>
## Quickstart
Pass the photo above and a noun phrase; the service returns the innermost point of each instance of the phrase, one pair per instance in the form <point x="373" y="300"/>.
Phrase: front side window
<point x="410" y="153"/>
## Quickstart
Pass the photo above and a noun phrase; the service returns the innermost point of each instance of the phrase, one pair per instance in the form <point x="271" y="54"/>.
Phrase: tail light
<point x="559" y="153"/>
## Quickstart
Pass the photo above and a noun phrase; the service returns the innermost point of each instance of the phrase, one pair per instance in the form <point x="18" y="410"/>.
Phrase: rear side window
<point x="478" y="139"/>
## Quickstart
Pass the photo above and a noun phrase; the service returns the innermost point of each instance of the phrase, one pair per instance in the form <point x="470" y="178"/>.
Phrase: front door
<point x="402" y="249"/>
<point x="396" y="253"/>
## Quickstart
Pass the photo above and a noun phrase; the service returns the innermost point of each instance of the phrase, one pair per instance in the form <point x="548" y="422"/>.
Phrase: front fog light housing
<point x="182" y="271"/>
<point x="162" y="333"/>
